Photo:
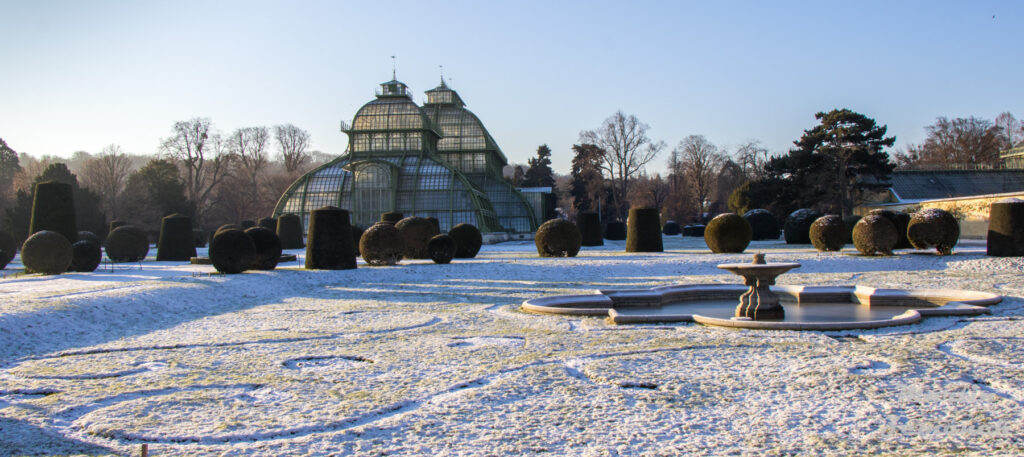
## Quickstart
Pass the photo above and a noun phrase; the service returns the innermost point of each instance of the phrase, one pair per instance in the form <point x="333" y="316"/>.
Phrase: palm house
<point x="432" y="161"/>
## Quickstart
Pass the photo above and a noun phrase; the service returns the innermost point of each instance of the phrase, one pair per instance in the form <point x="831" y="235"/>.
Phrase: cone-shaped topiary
<point x="247" y="223"/>
<point x="114" y="225"/>
<point x="268" y="247"/>
<point x="874" y="235"/>
<point x="416" y="234"/>
<point x="198" y="238"/>
<point x="232" y="251"/>
<point x="727" y="233"/>
<point x="643" y="231"/>
<point x="357" y="234"/>
<point x="381" y="244"/>
<point x="934" y="227"/>
<point x="329" y="239"/>
<point x="467" y="240"/>
<point x="797" y="229"/>
<point x="86" y="255"/>
<point x="763" y="225"/>
<point x="441" y="248"/>
<point x="1006" y="228"/>
<point x="615" y="231"/>
<point x="268" y="223"/>
<point x="900" y="221"/>
<point x="289" y="229"/>
<point x="127" y="243"/>
<point x="53" y="208"/>
<point x="850" y="222"/>
<point x="391" y="217"/>
<point x="86" y="235"/>
<point x="589" y="224"/>
<point x="176" y="241"/>
<point x="828" y="233"/>
<point x="559" y="238"/>
<point x="46" y="252"/>
<point x="694" y="230"/>
<point x="671" y="228"/>
<point x="8" y="248"/>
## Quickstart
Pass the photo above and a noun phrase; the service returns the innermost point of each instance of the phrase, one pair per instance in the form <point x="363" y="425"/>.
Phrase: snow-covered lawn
<point x="424" y="359"/>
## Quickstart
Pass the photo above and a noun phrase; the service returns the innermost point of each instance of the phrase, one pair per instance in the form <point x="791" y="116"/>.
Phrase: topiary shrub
<point x="671" y="228"/>
<point x="643" y="231"/>
<point x="559" y="238"/>
<point x="828" y="233"/>
<point x="357" y="234"/>
<point x="229" y="227"/>
<point x="441" y="248"/>
<point x="329" y="244"/>
<point x="175" y="241"/>
<point x="874" y="235"/>
<point x="589" y="224"/>
<point x="114" y="225"/>
<point x="437" y="223"/>
<point x="127" y="243"/>
<point x="198" y="238"/>
<point x="615" y="231"/>
<point x="467" y="240"/>
<point x="46" y="252"/>
<point x="933" y="227"/>
<point x="232" y="251"/>
<point x="900" y="221"/>
<point x="391" y="217"/>
<point x="86" y="255"/>
<point x="797" y="229"/>
<point x="694" y="230"/>
<point x="727" y="233"/>
<point x="763" y="225"/>
<point x="87" y="235"/>
<point x="268" y="223"/>
<point x="53" y="208"/>
<point x="268" y="247"/>
<point x="8" y="248"/>
<point x="849" y="222"/>
<point x="247" y="223"/>
<point x="416" y="234"/>
<point x="289" y="229"/>
<point x="1006" y="228"/>
<point x="381" y="244"/>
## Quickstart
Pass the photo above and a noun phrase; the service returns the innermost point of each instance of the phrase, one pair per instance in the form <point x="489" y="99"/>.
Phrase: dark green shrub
<point x="696" y="230"/>
<point x="268" y="223"/>
<point x="8" y="248"/>
<point x="175" y="241"/>
<point x="763" y="225"/>
<point x="671" y="228"/>
<point x="1006" y="228"/>
<point x="198" y="238"/>
<point x="232" y="251"/>
<point x="615" y="231"/>
<point x="899" y="220"/>
<point x="381" y="244"/>
<point x="46" y="252"/>
<point x="727" y="233"/>
<point x="391" y="217"/>
<point x="828" y="233"/>
<point x="850" y="222"/>
<point x="437" y="223"/>
<point x="416" y="234"/>
<point x="643" y="231"/>
<point x="268" y="247"/>
<point x="559" y="238"/>
<point x="329" y="241"/>
<point x="289" y="229"/>
<point x="127" y="243"/>
<point x="357" y="234"/>
<point x="53" y="208"/>
<point x="589" y="224"/>
<point x="247" y="223"/>
<point x="467" y="240"/>
<point x="874" y="235"/>
<point x="86" y="235"/>
<point x="114" y="225"/>
<point x="933" y="227"/>
<point x="441" y="248"/>
<point x="229" y="227"/>
<point x="797" y="229"/>
<point x="86" y="255"/>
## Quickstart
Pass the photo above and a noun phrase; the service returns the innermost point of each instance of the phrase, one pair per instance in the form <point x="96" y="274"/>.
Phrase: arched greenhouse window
<point x="372" y="193"/>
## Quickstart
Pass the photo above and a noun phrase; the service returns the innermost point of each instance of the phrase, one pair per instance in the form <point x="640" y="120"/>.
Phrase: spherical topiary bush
<point x="874" y="235"/>
<point x="441" y="248"/>
<point x="437" y="223"/>
<point x="850" y="222"/>
<point x="763" y="225"/>
<point x="391" y="217"/>
<point x="900" y="221"/>
<point x="127" y="243"/>
<point x="643" y="230"/>
<point x="727" y="233"/>
<point x="933" y="227"/>
<point x="268" y="247"/>
<point x="381" y="244"/>
<point x="86" y="255"/>
<point x="797" y="229"/>
<point x="615" y="231"/>
<point x="87" y="235"/>
<point x="589" y="224"/>
<point x="696" y="230"/>
<point x="268" y="223"/>
<point x="8" y="248"/>
<point x="467" y="240"/>
<point x="289" y="229"/>
<point x="1006" y="228"/>
<point x="46" y="252"/>
<point x="232" y="251"/>
<point x="357" y="234"/>
<point x="559" y="238"/>
<point x="198" y="238"/>
<point x="329" y="241"/>
<point x="828" y="233"/>
<point x="176" y="241"/>
<point x="671" y="228"/>
<point x="416" y="234"/>
<point x="114" y="225"/>
<point x="53" y="208"/>
<point x="229" y="227"/>
<point x="247" y="223"/>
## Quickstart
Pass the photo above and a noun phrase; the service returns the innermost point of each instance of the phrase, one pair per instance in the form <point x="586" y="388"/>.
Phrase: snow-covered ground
<point x="424" y="359"/>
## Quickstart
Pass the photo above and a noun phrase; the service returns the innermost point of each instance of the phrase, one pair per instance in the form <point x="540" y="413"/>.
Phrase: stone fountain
<point x="759" y="302"/>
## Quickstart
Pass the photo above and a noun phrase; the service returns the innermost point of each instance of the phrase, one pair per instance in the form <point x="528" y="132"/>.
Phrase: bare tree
<point x="292" y="144"/>
<point x="627" y="150"/>
<point x="1011" y="129"/>
<point x="107" y="175"/>
<point x="649" y="192"/>
<point x="700" y="160"/>
<point x="201" y="154"/>
<point x="959" y="143"/>
<point x="250" y="147"/>
<point x="752" y="156"/>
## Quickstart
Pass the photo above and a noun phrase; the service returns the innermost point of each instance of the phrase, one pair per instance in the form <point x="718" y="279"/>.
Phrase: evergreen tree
<point x="88" y="213"/>
<point x="539" y="174"/>
<point x="8" y="168"/>
<point x="586" y="183"/>
<point x="156" y="190"/>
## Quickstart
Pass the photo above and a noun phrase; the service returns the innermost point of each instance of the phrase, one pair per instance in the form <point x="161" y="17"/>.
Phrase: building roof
<point x="926" y="185"/>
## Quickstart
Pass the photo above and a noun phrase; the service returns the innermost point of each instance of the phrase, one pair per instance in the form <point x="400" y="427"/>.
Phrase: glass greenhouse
<point x="432" y="161"/>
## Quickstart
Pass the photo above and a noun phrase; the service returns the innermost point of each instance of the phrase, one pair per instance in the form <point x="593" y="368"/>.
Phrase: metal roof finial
<point x="442" y="74"/>
<point x="394" y="69"/>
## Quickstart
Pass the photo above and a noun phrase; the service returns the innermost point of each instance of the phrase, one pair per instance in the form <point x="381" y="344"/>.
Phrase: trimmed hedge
<point x="232" y="251"/>
<point x="615" y="231"/>
<point x="727" y="233"/>
<point x="247" y="223"/>
<point x="441" y="249"/>
<point x="416" y="234"/>
<point x="86" y="255"/>
<point x="391" y="217"/>
<point x="934" y="227"/>
<point x="828" y="233"/>
<point x="763" y="225"/>
<point x="1006" y="228"/>
<point x="268" y="223"/>
<point x="114" y="225"/>
<point x="559" y="238"/>
<point x="268" y="247"/>
<point x="589" y="224"/>
<point x="797" y="229"/>
<point x="127" y="243"/>
<point x="53" y="208"/>
<point x="46" y="252"/>
<point x="87" y="235"/>
<point x="176" y="241"/>
<point x="874" y="235"/>
<point x="899" y="220"/>
<point x="696" y="230"/>
<point x="289" y="229"/>
<point x="381" y="244"/>
<point x="330" y="240"/>
<point x="468" y="240"/>
<point x="671" y="228"/>
<point x="643" y="232"/>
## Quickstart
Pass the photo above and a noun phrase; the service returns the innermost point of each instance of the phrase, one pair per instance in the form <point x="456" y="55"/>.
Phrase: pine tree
<point x="540" y="174"/>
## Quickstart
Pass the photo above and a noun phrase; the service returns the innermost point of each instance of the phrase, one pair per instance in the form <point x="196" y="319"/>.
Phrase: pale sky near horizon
<point x="80" y="75"/>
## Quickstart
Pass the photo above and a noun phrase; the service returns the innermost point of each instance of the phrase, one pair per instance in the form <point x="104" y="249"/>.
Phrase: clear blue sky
<point x="79" y="75"/>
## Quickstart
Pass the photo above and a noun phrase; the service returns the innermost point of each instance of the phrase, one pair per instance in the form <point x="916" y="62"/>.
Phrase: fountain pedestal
<point x="759" y="302"/>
